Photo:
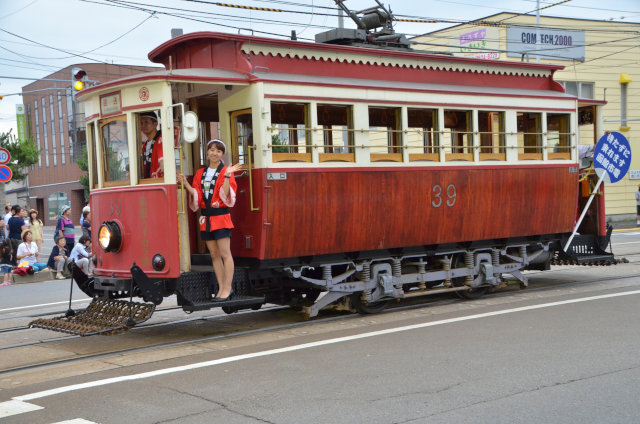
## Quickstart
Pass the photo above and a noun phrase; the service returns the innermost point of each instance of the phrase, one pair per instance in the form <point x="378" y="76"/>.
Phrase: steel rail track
<point x="45" y="314"/>
<point x="136" y="328"/>
<point x="339" y="316"/>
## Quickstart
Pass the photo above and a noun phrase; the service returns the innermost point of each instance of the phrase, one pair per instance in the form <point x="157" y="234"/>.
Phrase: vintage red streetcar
<point x="370" y="174"/>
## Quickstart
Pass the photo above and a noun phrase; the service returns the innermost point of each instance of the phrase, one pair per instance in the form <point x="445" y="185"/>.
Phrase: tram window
<point x="149" y="161"/>
<point x="113" y="135"/>
<point x="457" y="137"/>
<point x="558" y="136"/>
<point x="492" y="138"/>
<point x="337" y="132"/>
<point x="91" y="154"/>
<point x="384" y="134"/>
<point x="529" y="136"/>
<point x="290" y="137"/>
<point x="422" y="137"/>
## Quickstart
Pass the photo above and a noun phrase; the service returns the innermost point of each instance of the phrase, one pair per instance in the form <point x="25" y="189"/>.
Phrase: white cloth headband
<point x="216" y="140"/>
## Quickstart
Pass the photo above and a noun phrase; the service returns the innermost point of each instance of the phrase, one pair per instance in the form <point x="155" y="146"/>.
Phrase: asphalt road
<point x="559" y="352"/>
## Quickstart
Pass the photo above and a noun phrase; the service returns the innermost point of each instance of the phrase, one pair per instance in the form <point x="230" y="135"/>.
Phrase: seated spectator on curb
<point x="28" y="252"/>
<point x="58" y="258"/>
<point x="6" y="260"/>
<point x="80" y="254"/>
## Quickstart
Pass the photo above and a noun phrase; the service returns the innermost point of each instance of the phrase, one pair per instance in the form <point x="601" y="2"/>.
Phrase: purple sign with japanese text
<point x="612" y="157"/>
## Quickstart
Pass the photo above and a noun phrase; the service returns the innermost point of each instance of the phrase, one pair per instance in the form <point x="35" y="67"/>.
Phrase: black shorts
<point x="638" y="209"/>
<point x="215" y="234"/>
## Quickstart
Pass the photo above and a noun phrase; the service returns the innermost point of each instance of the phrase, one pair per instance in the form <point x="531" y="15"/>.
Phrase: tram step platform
<point x="237" y="301"/>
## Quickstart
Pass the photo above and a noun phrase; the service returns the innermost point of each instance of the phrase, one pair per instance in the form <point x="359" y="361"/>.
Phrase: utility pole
<point x="537" y="30"/>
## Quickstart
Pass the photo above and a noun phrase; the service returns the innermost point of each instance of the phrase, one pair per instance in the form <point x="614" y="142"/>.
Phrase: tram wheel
<point x="457" y="261"/>
<point x="298" y="298"/>
<point x="366" y="308"/>
<point x="229" y="310"/>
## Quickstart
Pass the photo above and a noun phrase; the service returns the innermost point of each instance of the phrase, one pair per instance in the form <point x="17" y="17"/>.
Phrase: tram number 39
<point x="115" y="208"/>
<point x="448" y="196"/>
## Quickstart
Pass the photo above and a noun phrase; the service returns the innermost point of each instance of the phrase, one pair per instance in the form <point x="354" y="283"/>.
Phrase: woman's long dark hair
<point x="31" y="217"/>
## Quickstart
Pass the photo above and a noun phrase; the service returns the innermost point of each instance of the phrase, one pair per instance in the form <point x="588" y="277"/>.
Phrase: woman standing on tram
<point x="214" y="192"/>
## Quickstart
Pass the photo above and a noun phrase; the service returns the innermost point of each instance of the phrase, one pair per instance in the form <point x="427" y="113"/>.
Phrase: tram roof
<point x="223" y="76"/>
<point x="161" y="53"/>
<point x="209" y="57"/>
<point x="204" y="75"/>
<point x="249" y="55"/>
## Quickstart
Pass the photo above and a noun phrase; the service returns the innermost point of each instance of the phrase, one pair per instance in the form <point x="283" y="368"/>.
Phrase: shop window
<point x="384" y="134"/>
<point x="290" y="138"/>
<point x="457" y="139"/>
<point x="337" y="132"/>
<point x="422" y="135"/>
<point x="492" y="138"/>
<point x="55" y="203"/>
<point x="115" y="150"/>
<point x="529" y="136"/>
<point x="558" y="136"/>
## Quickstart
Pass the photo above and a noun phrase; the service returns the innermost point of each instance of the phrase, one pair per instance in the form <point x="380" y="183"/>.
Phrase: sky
<point x="38" y="37"/>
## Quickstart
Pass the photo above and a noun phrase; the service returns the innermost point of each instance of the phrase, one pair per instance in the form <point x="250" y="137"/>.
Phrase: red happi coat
<point x="218" y="200"/>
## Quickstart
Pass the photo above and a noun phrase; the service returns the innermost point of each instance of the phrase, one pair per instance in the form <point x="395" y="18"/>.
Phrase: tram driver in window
<point x="152" y="161"/>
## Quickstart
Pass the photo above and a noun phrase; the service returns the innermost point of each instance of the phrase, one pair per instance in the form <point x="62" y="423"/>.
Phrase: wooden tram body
<point x="370" y="174"/>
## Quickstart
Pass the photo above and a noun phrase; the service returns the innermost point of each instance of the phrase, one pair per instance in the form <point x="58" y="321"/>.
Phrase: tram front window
<point x="113" y="134"/>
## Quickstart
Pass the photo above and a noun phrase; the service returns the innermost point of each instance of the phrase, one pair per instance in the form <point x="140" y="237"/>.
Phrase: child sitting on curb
<point x="6" y="260"/>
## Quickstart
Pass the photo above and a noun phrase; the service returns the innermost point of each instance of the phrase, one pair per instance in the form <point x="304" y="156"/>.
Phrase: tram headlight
<point x="109" y="236"/>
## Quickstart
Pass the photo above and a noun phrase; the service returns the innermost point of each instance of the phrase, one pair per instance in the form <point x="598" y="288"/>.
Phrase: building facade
<point x="601" y="60"/>
<point x="56" y="124"/>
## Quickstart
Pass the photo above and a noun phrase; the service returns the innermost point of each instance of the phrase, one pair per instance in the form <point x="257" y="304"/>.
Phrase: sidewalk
<point x="625" y="225"/>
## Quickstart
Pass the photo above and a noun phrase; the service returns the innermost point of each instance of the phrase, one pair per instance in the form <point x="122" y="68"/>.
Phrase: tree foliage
<point x="24" y="153"/>
<point x="83" y="163"/>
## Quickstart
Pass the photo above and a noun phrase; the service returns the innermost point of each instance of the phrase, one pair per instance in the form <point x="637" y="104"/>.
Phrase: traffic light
<point x="78" y="79"/>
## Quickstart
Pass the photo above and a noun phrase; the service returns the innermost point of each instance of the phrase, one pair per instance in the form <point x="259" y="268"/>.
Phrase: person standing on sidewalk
<point x="65" y="228"/>
<point x="7" y="216"/>
<point x="35" y="225"/>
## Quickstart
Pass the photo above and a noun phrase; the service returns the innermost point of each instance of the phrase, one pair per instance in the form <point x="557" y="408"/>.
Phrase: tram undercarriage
<point x="364" y="283"/>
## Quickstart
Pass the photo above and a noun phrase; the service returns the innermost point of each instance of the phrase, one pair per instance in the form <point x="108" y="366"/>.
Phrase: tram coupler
<point x="150" y="291"/>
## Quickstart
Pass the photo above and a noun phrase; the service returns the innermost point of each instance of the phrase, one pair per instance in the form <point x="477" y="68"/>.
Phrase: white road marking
<point x="15" y="407"/>
<point x="627" y="242"/>
<point x="189" y="367"/>
<point x="44" y="304"/>
<point x="75" y="421"/>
